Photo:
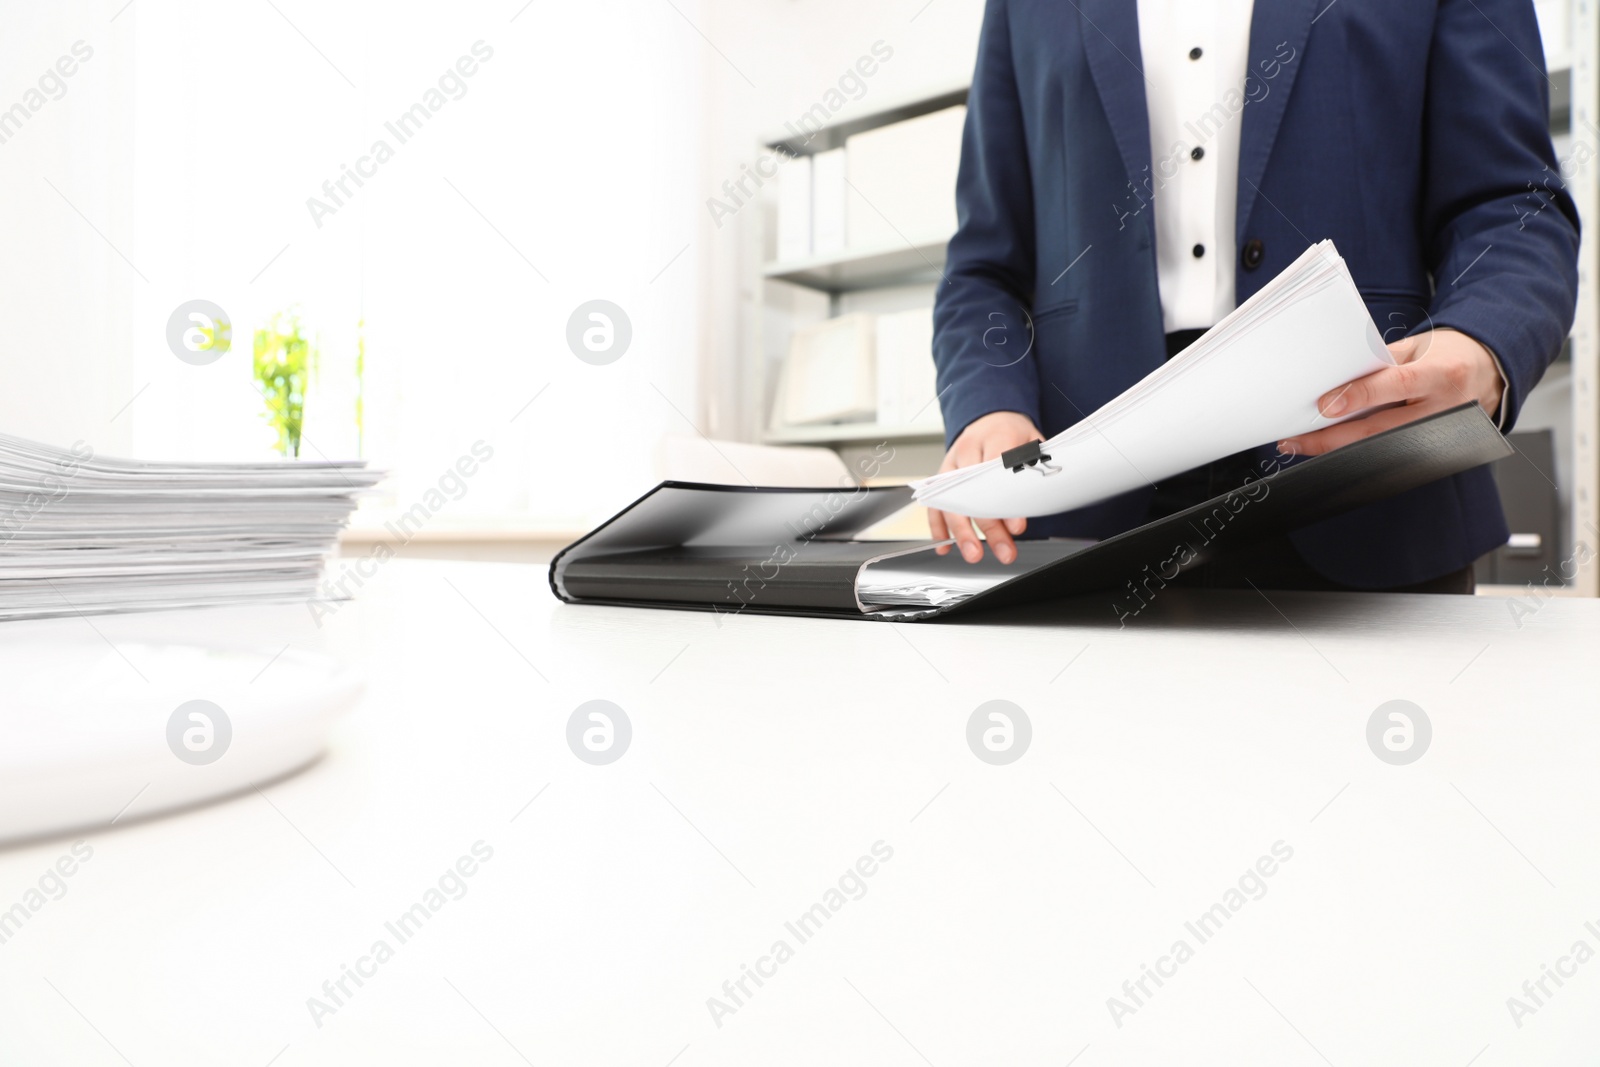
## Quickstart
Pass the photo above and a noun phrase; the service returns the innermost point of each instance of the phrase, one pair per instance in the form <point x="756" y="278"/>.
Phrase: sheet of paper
<point x="81" y="533"/>
<point x="1252" y="379"/>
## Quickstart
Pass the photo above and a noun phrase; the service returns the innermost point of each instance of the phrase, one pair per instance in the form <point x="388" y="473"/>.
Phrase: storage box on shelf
<point x="879" y="198"/>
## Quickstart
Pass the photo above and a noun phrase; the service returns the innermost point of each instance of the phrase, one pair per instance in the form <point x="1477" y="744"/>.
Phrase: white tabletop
<point x="769" y="756"/>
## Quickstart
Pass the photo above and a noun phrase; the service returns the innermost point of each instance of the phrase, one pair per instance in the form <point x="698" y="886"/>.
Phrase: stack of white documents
<point x="1252" y="379"/>
<point x="80" y="533"/>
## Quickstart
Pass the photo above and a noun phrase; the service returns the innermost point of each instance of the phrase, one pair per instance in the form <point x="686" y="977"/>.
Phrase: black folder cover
<point x="735" y="549"/>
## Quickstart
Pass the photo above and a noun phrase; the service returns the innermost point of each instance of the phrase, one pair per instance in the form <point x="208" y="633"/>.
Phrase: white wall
<point x="193" y="140"/>
<point x="64" y="292"/>
<point x="590" y="141"/>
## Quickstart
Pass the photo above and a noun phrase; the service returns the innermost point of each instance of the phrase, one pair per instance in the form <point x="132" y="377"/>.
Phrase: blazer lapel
<point x="1110" y="30"/>
<point x="1275" y="27"/>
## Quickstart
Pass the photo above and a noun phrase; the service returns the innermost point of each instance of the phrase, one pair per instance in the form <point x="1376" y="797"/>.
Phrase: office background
<point x="197" y="153"/>
<point x="570" y="158"/>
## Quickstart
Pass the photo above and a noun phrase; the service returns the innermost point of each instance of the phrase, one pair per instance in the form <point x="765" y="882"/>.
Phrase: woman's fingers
<point x="1315" y="444"/>
<point x="1001" y="535"/>
<point x="1005" y="550"/>
<point x="985" y="438"/>
<point x="966" y="538"/>
<point x="940" y="529"/>
<point x="1392" y="385"/>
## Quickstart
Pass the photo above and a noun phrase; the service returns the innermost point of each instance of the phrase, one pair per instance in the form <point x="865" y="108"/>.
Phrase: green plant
<point x="284" y="361"/>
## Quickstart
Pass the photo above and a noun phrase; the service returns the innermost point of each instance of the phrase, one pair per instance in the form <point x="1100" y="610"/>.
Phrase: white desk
<point x="769" y="754"/>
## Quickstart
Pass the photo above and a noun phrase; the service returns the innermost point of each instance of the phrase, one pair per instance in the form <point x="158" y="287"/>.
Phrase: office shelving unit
<point x="850" y="271"/>
<point x="855" y="270"/>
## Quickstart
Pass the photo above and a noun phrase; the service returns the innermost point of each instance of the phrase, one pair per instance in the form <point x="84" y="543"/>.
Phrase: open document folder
<point x="1252" y="379"/>
<point x="734" y="549"/>
<point x="81" y="533"/>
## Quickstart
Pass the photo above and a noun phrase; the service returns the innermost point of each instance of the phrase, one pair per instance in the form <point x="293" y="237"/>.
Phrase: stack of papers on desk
<point x="1252" y="379"/>
<point x="82" y="534"/>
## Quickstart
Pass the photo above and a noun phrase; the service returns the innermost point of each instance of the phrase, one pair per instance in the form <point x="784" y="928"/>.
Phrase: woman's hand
<point x="1438" y="369"/>
<point x="983" y="439"/>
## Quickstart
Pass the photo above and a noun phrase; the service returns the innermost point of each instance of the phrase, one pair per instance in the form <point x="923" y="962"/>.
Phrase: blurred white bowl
<point x="91" y="732"/>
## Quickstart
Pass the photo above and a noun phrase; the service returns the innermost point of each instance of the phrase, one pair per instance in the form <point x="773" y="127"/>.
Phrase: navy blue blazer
<point x="1414" y="133"/>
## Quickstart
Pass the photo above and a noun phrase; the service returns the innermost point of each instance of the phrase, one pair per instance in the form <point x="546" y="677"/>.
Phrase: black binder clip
<point x="1029" y="455"/>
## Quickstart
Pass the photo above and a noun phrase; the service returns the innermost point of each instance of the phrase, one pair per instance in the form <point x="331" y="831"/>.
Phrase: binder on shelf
<point x="829" y="374"/>
<point x="907" y="389"/>
<point x="828" y="202"/>
<point x="733" y="549"/>
<point x="903" y="176"/>
<point x="794" y="210"/>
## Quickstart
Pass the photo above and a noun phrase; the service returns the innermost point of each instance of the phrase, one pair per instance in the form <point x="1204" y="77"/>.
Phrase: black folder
<point x="733" y="549"/>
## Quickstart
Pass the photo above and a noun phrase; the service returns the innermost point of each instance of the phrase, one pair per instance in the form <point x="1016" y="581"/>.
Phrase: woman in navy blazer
<point x="1414" y="133"/>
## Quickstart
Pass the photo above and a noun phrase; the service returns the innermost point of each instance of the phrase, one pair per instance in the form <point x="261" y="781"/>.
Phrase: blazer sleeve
<point x="981" y="324"/>
<point x="1501" y="230"/>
